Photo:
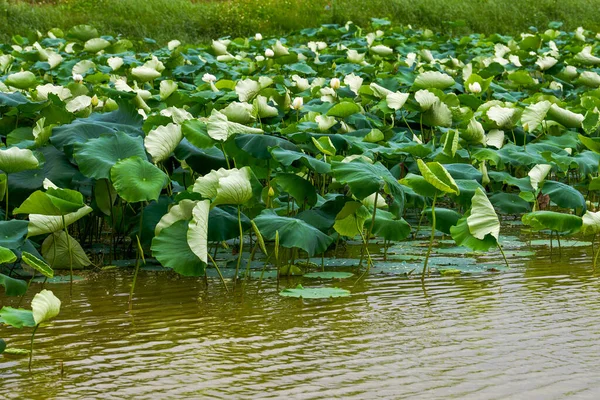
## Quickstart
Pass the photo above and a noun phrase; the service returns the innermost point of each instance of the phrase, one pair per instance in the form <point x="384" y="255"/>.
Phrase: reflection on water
<point x="532" y="332"/>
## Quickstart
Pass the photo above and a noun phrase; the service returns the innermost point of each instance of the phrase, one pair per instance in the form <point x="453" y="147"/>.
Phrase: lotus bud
<point x="335" y="83"/>
<point x="95" y="101"/>
<point x="297" y="103"/>
<point x="260" y="58"/>
<point x="258" y="36"/>
<point x="475" y="87"/>
<point x="271" y="191"/>
<point x="208" y="78"/>
<point x="78" y="78"/>
<point x="269" y="53"/>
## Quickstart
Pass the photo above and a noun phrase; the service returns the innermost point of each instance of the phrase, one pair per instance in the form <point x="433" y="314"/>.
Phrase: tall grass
<point x="197" y="21"/>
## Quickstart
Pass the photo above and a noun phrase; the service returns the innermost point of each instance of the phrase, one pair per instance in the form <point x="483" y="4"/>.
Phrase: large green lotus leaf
<point x="40" y="224"/>
<point x="534" y="114"/>
<point x="202" y="161"/>
<point x="13" y="287"/>
<point x="105" y="195"/>
<point x="389" y="228"/>
<point x="45" y="306"/>
<point x="474" y="133"/>
<point x="172" y="250"/>
<point x="223" y="224"/>
<point x="17" y="317"/>
<point x="365" y="179"/>
<point x="83" y="32"/>
<point x="555" y="221"/>
<point x="297" y="187"/>
<point x="95" y="45"/>
<point x="15" y="159"/>
<point x="564" y="196"/>
<point x="196" y="132"/>
<point x="13" y="233"/>
<point x="524" y="184"/>
<point x="197" y="234"/>
<point x="567" y="118"/>
<point x="590" y="143"/>
<point x="293" y="233"/>
<point x="510" y="203"/>
<point x="483" y="219"/>
<point x="55" y="250"/>
<point x="135" y="179"/>
<point x="95" y="157"/>
<point x="463" y="237"/>
<point x="37" y="264"/>
<point x="314" y="293"/>
<point x="21" y="80"/>
<point x="296" y="158"/>
<point x="323" y="217"/>
<point x="328" y="275"/>
<point x="51" y="202"/>
<point x="591" y="223"/>
<point x="344" y="109"/>
<point x="179" y="212"/>
<point x="467" y="189"/>
<point x="226" y="186"/>
<point x="433" y="79"/>
<point x="419" y="185"/>
<point x="220" y="129"/>
<point x="162" y="141"/>
<point x="126" y="119"/>
<point x="350" y="221"/>
<point x="438" y="115"/>
<point x="258" y="145"/>
<point x="435" y="174"/>
<point x="444" y="218"/>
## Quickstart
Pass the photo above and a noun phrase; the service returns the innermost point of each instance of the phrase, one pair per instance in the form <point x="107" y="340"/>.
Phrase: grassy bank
<point x="197" y="21"/>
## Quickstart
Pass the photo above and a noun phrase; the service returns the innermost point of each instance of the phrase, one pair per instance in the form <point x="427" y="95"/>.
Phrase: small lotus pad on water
<point x="314" y="293"/>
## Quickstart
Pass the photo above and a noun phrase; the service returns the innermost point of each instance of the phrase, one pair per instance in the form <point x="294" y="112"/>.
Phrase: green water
<point x="532" y="332"/>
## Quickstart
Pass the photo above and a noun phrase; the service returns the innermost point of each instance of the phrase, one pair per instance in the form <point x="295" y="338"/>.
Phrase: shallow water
<point x="527" y="333"/>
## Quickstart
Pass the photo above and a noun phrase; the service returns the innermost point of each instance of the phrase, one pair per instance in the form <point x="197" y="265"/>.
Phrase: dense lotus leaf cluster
<point x="326" y="134"/>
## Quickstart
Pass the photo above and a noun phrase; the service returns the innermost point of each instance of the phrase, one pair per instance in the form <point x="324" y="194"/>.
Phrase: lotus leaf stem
<point x="431" y="238"/>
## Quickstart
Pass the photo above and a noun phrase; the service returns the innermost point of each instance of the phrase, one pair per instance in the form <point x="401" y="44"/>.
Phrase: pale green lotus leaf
<point x="144" y="74"/>
<point x="167" y="88"/>
<point x="226" y="186"/>
<point x="262" y="109"/>
<point x="220" y="129"/>
<point x="585" y="57"/>
<point x="324" y="145"/>
<point x="39" y="265"/>
<point x="591" y="223"/>
<point x="426" y="99"/>
<point x="42" y="133"/>
<point x="451" y="143"/>
<point x="239" y="112"/>
<point x="63" y="252"/>
<point x="178" y="115"/>
<point x="396" y="100"/>
<point x="355" y="57"/>
<point x="247" y="89"/>
<point x="180" y="211"/>
<point x="589" y="78"/>
<point x="380" y="91"/>
<point x="436" y="175"/>
<point x="79" y="103"/>
<point x="554" y="221"/>
<point x="115" y="63"/>
<point x="162" y="141"/>
<point x="54" y="59"/>
<point x="567" y="118"/>
<point x="546" y="62"/>
<point x="280" y="50"/>
<point x="43" y="224"/>
<point x="95" y="45"/>
<point x="325" y="122"/>
<point x="155" y="64"/>
<point x="474" y="133"/>
<point x="45" y="306"/>
<point x="483" y="219"/>
<point x="433" y="79"/>
<point x="21" y="80"/>
<point x="43" y="91"/>
<point x="495" y="138"/>
<point x="381" y="50"/>
<point x="15" y="159"/>
<point x="504" y="117"/>
<point x="219" y="47"/>
<point x="197" y="234"/>
<point x="173" y="44"/>
<point x="374" y="136"/>
<point x="538" y="174"/>
<point x="314" y="293"/>
<point x="5" y="61"/>
<point x="350" y="221"/>
<point x="534" y="114"/>
<point x="82" y="67"/>
<point x="439" y="115"/>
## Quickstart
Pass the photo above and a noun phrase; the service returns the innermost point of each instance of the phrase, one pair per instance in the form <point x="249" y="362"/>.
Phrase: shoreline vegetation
<point x="200" y="21"/>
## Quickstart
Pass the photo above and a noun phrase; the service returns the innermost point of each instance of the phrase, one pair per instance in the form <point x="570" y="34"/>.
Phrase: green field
<point x="198" y="21"/>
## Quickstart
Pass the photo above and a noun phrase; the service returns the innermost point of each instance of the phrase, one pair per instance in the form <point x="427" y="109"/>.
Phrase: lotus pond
<point x="358" y="158"/>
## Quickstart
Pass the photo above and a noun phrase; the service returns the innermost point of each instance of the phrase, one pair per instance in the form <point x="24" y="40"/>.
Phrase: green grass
<point x="198" y="21"/>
